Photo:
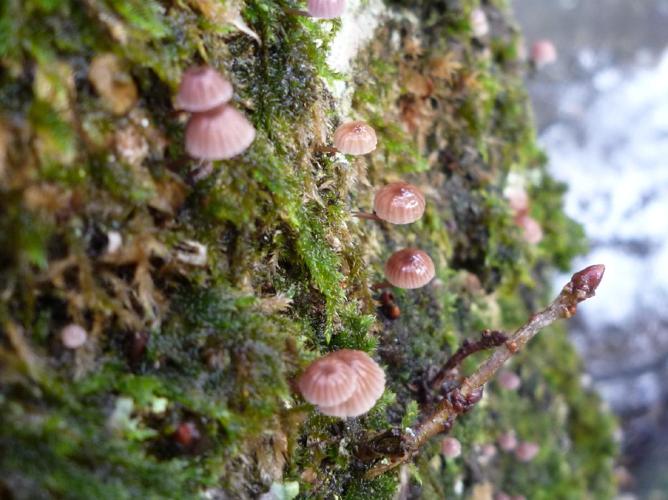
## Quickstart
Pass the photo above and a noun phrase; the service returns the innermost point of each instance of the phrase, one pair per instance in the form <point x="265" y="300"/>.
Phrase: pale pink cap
<point x="202" y="89"/>
<point x="479" y="23"/>
<point x="543" y="52"/>
<point x="355" y="138"/>
<point x="409" y="268"/>
<point x="507" y="441"/>
<point x="451" y="447"/>
<point x="526" y="451"/>
<point x="502" y="496"/>
<point x="509" y="380"/>
<point x="370" y="385"/>
<point x="399" y="203"/>
<point x="518" y="199"/>
<point x="328" y="381"/>
<point x="73" y="336"/>
<point x="532" y="232"/>
<point x="218" y="134"/>
<point x="326" y="9"/>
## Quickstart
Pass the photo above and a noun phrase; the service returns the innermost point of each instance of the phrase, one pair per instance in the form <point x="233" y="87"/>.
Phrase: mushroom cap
<point x="355" y="138"/>
<point x="479" y="23"/>
<point x="409" y="268"/>
<point x="543" y="52"/>
<point x="532" y="232"/>
<point x="399" y="203"/>
<point x="518" y="199"/>
<point x="507" y="441"/>
<point x="509" y="380"/>
<point x="218" y="134"/>
<point x="73" y="336"/>
<point x="328" y="381"/>
<point x="326" y="9"/>
<point x="370" y="385"/>
<point x="526" y="451"/>
<point x="451" y="447"/>
<point x="202" y="89"/>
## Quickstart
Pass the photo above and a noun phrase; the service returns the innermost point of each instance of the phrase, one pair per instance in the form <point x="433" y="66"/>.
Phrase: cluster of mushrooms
<point x="348" y="383"/>
<point x="215" y="130"/>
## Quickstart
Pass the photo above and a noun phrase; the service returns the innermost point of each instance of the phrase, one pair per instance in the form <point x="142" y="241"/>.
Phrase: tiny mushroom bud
<point x="518" y="199"/>
<point x="409" y="268"/>
<point x="533" y="233"/>
<point x="370" y="385"/>
<point x="509" y="380"/>
<point x="326" y="9"/>
<point x="399" y="203"/>
<point x="219" y="134"/>
<point x="186" y="434"/>
<point x="508" y="441"/>
<point x="543" y="52"/>
<point x="73" y="336"/>
<point x="526" y="451"/>
<point x="479" y="23"/>
<point x="355" y="138"/>
<point x="502" y="496"/>
<point x="451" y="447"/>
<point x="328" y="381"/>
<point x="202" y="89"/>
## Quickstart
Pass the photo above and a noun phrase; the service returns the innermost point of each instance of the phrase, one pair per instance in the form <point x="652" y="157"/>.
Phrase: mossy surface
<point x="90" y="145"/>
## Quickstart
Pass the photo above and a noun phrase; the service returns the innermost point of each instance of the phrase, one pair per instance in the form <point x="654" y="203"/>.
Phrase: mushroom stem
<point x="296" y="12"/>
<point x="381" y="285"/>
<point x="325" y="149"/>
<point x="364" y="215"/>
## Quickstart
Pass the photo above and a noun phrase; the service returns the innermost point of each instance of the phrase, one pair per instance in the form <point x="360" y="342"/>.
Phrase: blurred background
<point x="602" y="113"/>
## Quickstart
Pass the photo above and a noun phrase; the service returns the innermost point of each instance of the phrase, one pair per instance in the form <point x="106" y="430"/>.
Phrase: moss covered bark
<point x="90" y="145"/>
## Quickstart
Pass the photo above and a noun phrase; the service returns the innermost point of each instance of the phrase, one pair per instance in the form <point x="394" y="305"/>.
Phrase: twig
<point x="582" y="286"/>
<point x="489" y="339"/>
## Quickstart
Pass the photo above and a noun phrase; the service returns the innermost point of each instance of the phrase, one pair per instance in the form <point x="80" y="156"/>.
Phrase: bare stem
<point x="582" y="286"/>
<point x="364" y="215"/>
<point x="325" y="149"/>
<point x="489" y="339"/>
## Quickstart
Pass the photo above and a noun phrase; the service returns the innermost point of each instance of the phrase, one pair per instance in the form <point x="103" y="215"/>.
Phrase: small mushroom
<point x="202" y="89"/>
<point x="219" y="134"/>
<point x="355" y="138"/>
<point x="328" y="381"/>
<point x="526" y="451"/>
<point x="370" y="385"/>
<point x="451" y="447"/>
<point x="479" y="23"/>
<point x="326" y="9"/>
<point x="531" y="230"/>
<point x="409" y="268"/>
<point x="399" y="203"/>
<point x="73" y="336"/>
<point x="543" y="53"/>
<point x="507" y="441"/>
<point x="509" y="380"/>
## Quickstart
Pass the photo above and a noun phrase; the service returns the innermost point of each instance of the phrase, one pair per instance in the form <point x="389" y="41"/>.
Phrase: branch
<point x="582" y="286"/>
<point x="489" y="339"/>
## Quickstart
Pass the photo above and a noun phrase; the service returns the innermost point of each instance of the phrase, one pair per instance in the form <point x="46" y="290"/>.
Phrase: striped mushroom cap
<point x="370" y="385"/>
<point x="326" y="9"/>
<point x="355" y="138"/>
<point x="451" y="447"/>
<point x="526" y="451"/>
<point x="202" y="89"/>
<point x="73" y="336"/>
<point x="328" y="381"/>
<point x="508" y="380"/>
<point x="399" y="203"/>
<point x="218" y="134"/>
<point x="409" y="268"/>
